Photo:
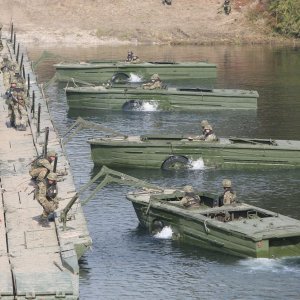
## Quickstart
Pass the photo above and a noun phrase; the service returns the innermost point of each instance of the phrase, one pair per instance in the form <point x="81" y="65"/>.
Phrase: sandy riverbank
<point x="97" y="22"/>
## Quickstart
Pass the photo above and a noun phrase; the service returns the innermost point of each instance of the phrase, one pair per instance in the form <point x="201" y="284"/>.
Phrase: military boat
<point x="169" y="98"/>
<point x="239" y="229"/>
<point x="101" y="71"/>
<point x="179" y="151"/>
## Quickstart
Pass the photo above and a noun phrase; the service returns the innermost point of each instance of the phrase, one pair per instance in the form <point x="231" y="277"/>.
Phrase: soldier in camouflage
<point x="41" y="167"/>
<point x="190" y="199"/>
<point x="155" y="83"/>
<point x="229" y="196"/>
<point x="46" y="195"/>
<point x="209" y="135"/>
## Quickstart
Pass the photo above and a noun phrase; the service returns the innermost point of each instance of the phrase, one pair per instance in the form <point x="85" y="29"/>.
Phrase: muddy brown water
<point x="127" y="263"/>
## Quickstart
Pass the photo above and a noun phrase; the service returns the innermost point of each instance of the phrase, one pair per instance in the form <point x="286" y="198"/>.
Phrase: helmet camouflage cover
<point x="188" y="188"/>
<point x="52" y="176"/>
<point x="155" y="77"/>
<point x="51" y="153"/>
<point x="204" y="122"/>
<point x="226" y="183"/>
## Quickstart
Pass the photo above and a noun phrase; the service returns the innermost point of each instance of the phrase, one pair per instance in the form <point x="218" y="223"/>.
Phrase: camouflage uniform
<point x="17" y="110"/>
<point x="209" y="136"/>
<point x="155" y="83"/>
<point x="41" y="167"/>
<point x="190" y="199"/>
<point x="229" y="196"/>
<point x="227" y="7"/>
<point x="46" y="195"/>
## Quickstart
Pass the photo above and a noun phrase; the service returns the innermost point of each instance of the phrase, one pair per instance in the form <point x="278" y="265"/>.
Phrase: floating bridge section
<point x="35" y="262"/>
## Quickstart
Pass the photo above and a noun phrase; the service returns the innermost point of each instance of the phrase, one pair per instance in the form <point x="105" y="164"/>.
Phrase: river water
<point x="127" y="263"/>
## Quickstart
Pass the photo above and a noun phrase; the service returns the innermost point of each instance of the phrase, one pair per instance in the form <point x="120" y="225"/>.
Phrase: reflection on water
<point x="128" y="263"/>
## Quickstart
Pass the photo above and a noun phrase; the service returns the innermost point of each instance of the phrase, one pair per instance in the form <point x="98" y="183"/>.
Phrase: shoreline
<point x="86" y="39"/>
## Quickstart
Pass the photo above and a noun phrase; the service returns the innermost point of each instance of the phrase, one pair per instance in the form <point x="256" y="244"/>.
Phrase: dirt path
<point x="132" y="21"/>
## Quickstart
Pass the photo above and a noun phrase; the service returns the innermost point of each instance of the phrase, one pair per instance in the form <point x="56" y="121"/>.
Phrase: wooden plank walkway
<point x="36" y="262"/>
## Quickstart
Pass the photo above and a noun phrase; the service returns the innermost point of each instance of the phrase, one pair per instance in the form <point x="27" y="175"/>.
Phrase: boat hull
<point x="138" y="153"/>
<point x="161" y="99"/>
<point x="103" y="71"/>
<point x="217" y="237"/>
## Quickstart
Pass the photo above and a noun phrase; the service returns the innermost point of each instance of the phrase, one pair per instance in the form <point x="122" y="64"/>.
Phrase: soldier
<point x="209" y="136"/>
<point x="129" y="56"/>
<point x="42" y="166"/>
<point x="190" y="199"/>
<point x="19" y="117"/>
<point x="46" y="195"/>
<point x="155" y="83"/>
<point x="227" y="7"/>
<point x="229" y="196"/>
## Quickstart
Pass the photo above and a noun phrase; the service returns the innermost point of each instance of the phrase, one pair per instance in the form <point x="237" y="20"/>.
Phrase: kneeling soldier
<point x="41" y="167"/>
<point x="46" y="195"/>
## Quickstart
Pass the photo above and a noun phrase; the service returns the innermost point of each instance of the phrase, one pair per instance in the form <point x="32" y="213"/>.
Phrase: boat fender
<point x="175" y="162"/>
<point x="119" y="77"/>
<point x="157" y="226"/>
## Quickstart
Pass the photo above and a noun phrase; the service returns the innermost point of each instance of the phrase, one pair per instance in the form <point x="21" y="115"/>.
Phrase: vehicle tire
<point x="132" y="105"/>
<point x="175" y="162"/>
<point x="120" y="78"/>
<point x="157" y="226"/>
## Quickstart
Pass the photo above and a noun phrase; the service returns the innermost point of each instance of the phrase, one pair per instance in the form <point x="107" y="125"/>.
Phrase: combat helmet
<point x="52" y="176"/>
<point x="203" y="123"/>
<point x="207" y="127"/>
<point x="188" y="189"/>
<point x="155" y="77"/>
<point x="51" y="153"/>
<point x="226" y="183"/>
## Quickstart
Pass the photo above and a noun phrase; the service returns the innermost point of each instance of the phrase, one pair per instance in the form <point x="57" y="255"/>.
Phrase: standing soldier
<point x="227" y="7"/>
<point x="19" y="116"/>
<point x="42" y="166"/>
<point x="46" y="195"/>
<point x="229" y="196"/>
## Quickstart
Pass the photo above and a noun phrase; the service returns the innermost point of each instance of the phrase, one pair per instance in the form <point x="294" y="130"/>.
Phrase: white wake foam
<point x="147" y="106"/>
<point x="134" y="78"/>
<point x="197" y="164"/>
<point x="166" y="233"/>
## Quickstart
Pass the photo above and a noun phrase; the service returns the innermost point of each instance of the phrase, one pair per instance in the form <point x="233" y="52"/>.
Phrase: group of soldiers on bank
<point x="43" y="173"/>
<point x="16" y="94"/>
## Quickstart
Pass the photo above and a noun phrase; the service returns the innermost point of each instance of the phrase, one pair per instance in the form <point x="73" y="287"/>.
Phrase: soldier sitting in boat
<point x="209" y="135"/>
<point x="229" y="195"/>
<point x="46" y="195"/>
<point x="155" y="83"/>
<point x="131" y="58"/>
<point x="190" y="199"/>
